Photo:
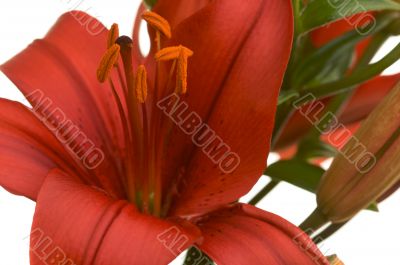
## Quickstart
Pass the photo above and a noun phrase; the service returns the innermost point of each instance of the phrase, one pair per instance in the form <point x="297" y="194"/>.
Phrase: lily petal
<point x="28" y="151"/>
<point x="78" y="224"/>
<point x="175" y="11"/>
<point x="241" y="50"/>
<point x="62" y="68"/>
<point x="248" y="235"/>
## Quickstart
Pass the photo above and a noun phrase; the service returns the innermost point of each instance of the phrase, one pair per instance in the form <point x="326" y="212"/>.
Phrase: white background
<point x="369" y="239"/>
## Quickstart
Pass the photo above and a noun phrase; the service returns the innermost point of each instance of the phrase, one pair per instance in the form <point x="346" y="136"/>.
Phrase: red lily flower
<point x="83" y="215"/>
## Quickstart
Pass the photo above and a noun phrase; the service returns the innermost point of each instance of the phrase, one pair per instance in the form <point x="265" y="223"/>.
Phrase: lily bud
<point x="368" y="166"/>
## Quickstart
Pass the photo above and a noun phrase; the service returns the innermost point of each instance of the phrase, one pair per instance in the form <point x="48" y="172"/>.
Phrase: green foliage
<point x="320" y="12"/>
<point x="296" y="172"/>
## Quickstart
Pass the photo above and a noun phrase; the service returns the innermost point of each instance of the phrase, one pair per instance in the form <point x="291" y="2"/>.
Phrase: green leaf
<point x="355" y="78"/>
<point x="320" y="62"/>
<point x="336" y="67"/>
<point x="320" y="12"/>
<point x="296" y="172"/>
<point x="150" y="3"/>
<point x="285" y="96"/>
<point x="335" y="56"/>
<point x="313" y="148"/>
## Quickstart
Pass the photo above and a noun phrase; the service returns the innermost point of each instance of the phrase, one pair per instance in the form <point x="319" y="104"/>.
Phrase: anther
<point x="181" y="54"/>
<point x="113" y="35"/>
<point x="107" y="63"/>
<point x="172" y="53"/>
<point x="181" y="82"/>
<point x="158" y="23"/>
<point x="141" y="84"/>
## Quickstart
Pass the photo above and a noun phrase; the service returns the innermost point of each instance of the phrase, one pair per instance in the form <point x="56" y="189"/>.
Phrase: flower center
<point x="146" y="130"/>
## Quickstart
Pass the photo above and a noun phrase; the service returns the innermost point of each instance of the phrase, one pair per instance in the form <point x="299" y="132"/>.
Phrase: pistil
<point x="141" y="95"/>
<point x="126" y="45"/>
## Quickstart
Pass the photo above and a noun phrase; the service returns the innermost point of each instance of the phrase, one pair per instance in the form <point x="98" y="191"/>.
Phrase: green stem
<point x="283" y="114"/>
<point x="297" y="20"/>
<point x="264" y="192"/>
<point x="188" y="260"/>
<point x="195" y="256"/>
<point x="314" y="222"/>
<point x="329" y="231"/>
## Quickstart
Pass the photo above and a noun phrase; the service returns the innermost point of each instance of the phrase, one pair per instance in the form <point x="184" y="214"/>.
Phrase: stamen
<point x="107" y="63"/>
<point x="181" y="54"/>
<point x="113" y="35"/>
<point x="141" y="84"/>
<point x="158" y="23"/>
